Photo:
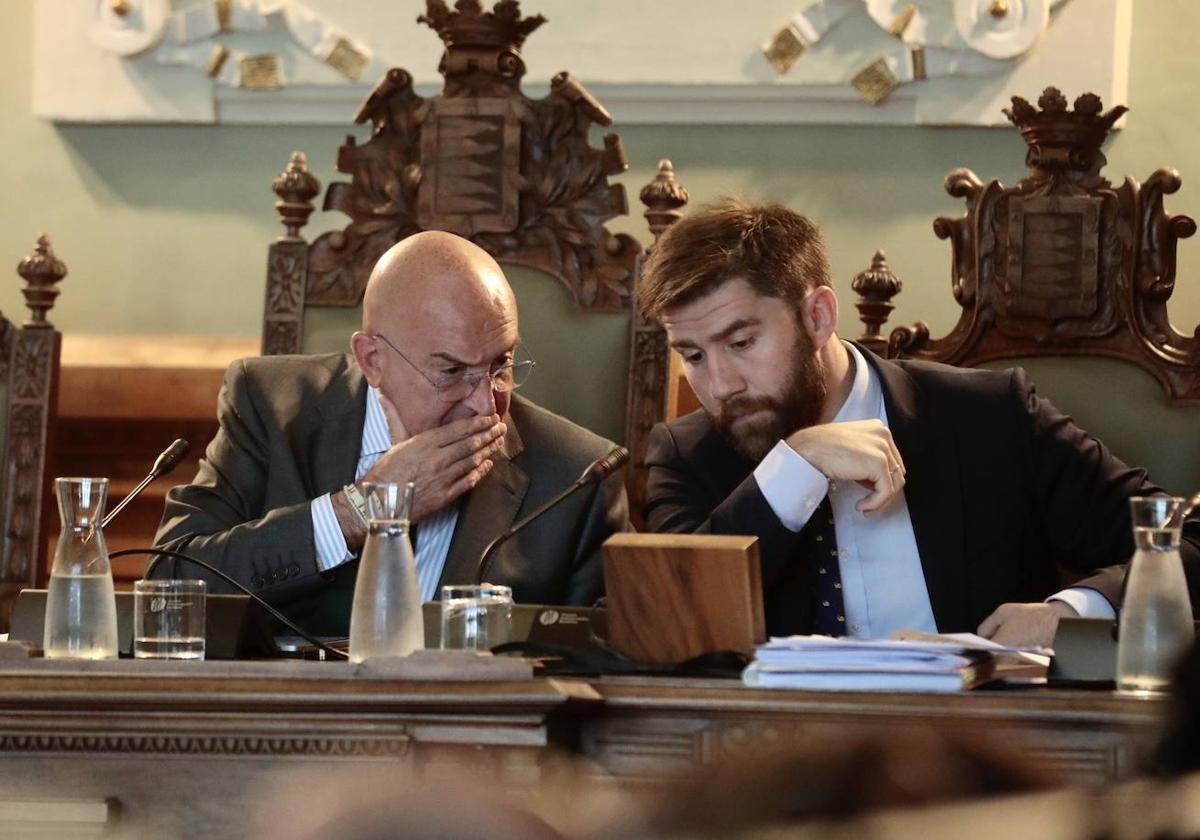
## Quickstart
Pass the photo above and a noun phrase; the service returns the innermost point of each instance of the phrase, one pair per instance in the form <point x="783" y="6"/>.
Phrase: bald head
<point x="436" y="307"/>
<point x="433" y="275"/>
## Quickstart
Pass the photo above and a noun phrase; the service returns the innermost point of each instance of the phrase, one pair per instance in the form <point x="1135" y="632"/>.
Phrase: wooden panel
<point x="124" y="399"/>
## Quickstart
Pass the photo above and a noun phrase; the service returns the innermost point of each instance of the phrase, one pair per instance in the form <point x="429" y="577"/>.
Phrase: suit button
<point x="294" y="570"/>
<point x="258" y="581"/>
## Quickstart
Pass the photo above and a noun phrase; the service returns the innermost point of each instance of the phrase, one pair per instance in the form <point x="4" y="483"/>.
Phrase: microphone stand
<point x="166" y="461"/>
<point x="599" y="470"/>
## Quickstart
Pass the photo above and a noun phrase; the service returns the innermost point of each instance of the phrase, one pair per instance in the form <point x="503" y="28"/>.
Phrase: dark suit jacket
<point x="291" y="430"/>
<point x="1001" y="488"/>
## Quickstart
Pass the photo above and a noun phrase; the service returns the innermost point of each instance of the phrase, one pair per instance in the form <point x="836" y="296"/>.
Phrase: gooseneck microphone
<point x="596" y="472"/>
<point x="167" y="461"/>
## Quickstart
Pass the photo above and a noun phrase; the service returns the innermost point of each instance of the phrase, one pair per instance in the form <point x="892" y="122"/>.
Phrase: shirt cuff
<point x="327" y="535"/>
<point x="1087" y="602"/>
<point x="792" y="487"/>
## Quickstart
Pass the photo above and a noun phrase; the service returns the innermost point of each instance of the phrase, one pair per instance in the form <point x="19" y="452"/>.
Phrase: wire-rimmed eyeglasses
<point x="456" y="387"/>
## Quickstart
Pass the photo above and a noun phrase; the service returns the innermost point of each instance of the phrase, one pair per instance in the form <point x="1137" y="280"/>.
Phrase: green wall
<point x="165" y="228"/>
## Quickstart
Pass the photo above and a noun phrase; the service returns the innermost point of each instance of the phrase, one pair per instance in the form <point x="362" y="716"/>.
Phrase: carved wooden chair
<point x="29" y="364"/>
<point x="1064" y="264"/>
<point x="519" y="178"/>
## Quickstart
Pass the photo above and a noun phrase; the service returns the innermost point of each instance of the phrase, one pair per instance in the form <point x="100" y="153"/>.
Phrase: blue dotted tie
<point x="829" y="613"/>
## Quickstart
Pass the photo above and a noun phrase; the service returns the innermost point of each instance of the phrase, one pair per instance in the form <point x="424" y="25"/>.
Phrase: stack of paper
<point x="821" y="663"/>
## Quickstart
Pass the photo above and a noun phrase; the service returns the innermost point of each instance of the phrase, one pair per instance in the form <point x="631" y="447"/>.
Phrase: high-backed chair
<point x="29" y="363"/>
<point x="1069" y="276"/>
<point x="514" y="175"/>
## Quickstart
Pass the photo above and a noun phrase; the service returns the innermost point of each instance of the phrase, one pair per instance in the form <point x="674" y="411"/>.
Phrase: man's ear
<point x="819" y="315"/>
<point x="366" y="353"/>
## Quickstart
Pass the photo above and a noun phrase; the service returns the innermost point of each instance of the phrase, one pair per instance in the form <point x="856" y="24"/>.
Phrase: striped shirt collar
<point x="376" y="439"/>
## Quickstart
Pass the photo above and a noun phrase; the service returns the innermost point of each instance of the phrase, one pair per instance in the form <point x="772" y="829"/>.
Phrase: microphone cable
<point x="160" y="553"/>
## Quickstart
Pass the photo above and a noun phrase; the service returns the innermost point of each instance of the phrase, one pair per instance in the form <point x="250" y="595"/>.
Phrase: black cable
<point x="160" y="553"/>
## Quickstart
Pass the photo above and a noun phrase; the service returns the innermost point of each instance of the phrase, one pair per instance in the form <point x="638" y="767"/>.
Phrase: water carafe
<point x="1156" y="614"/>
<point x="81" y="611"/>
<point x="385" y="618"/>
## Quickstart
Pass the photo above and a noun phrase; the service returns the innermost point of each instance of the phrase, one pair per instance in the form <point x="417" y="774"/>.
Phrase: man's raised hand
<point x="443" y="463"/>
<point x="862" y="451"/>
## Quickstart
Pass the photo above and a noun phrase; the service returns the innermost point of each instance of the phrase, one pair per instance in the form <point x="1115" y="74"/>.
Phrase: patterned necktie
<point x="829" y="613"/>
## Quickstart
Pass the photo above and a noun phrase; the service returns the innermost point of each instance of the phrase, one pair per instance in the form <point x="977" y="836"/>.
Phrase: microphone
<point x="596" y="472"/>
<point x="167" y="461"/>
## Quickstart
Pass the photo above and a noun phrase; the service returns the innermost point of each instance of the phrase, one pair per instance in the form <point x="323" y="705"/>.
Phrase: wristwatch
<point x="355" y="497"/>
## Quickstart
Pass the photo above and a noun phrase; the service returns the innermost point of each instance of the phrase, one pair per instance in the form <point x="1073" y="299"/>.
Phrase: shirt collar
<point x="865" y="400"/>
<point x="376" y="439"/>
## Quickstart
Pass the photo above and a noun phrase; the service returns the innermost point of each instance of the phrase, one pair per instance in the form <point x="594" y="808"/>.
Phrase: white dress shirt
<point x="435" y="533"/>
<point x="883" y="584"/>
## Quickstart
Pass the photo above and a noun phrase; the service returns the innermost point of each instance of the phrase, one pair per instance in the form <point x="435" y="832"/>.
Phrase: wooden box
<point x="672" y="597"/>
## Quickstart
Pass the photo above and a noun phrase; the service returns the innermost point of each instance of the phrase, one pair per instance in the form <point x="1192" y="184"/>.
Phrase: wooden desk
<point x="186" y="747"/>
<point x="655" y="728"/>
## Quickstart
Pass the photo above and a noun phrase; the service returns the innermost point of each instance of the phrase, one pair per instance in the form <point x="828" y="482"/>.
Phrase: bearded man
<point x="885" y="495"/>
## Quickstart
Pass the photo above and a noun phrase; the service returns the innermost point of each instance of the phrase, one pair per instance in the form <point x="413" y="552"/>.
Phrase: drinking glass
<point x="476" y="617"/>
<point x="168" y="619"/>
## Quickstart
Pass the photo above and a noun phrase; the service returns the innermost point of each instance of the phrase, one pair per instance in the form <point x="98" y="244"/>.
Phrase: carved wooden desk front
<point x="185" y="748"/>
<point x="656" y="728"/>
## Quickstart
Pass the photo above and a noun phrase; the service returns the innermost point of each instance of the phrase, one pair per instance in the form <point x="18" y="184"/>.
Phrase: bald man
<point x="426" y="395"/>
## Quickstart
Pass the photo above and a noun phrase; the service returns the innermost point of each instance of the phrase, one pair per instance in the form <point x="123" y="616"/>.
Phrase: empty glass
<point x="1156" y="614"/>
<point x="476" y="617"/>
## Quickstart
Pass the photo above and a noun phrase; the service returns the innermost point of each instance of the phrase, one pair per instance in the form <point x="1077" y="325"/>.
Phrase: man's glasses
<point x="456" y="387"/>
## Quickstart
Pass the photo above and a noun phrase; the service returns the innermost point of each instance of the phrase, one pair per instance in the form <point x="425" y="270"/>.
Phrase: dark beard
<point x="797" y="408"/>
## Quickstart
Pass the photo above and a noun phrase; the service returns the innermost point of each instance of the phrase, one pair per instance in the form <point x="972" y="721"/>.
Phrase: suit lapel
<point x="487" y="510"/>
<point x="933" y="491"/>
<point x="330" y="437"/>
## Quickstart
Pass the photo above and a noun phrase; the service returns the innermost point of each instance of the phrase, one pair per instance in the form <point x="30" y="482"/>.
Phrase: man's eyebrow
<point x="447" y="357"/>
<point x="456" y="361"/>
<point x="739" y="324"/>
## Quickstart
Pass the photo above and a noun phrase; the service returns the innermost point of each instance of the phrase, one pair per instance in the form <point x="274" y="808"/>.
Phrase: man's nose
<point x="482" y="400"/>
<point x="724" y="379"/>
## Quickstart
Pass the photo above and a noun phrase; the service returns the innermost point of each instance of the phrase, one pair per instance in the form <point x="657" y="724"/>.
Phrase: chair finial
<point x="296" y="188"/>
<point x="664" y="198"/>
<point x="876" y="287"/>
<point x="42" y="272"/>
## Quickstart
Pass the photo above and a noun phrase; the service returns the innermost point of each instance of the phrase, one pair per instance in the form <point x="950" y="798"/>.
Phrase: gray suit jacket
<point x="291" y="429"/>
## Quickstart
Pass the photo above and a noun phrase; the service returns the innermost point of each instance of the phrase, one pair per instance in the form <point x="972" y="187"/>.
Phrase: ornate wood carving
<point x="1064" y="262"/>
<point x="875" y="287"/>
<point x="287" y="259"/>
<point x="29" y="362"/>
<point x="393" y="746"/>
<point x="516" y="176"/>
<point x="649" y="355"/>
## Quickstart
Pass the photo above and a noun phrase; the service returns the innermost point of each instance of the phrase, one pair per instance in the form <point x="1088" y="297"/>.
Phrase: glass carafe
<point x="1156" y="613"/>
<point x="385" y="618"/>
<point x="81" y="611"/>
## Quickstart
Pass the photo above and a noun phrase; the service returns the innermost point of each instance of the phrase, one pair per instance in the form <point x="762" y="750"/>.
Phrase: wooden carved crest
<point x="1064" y="262"/>
<point x="516" y="176"/>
